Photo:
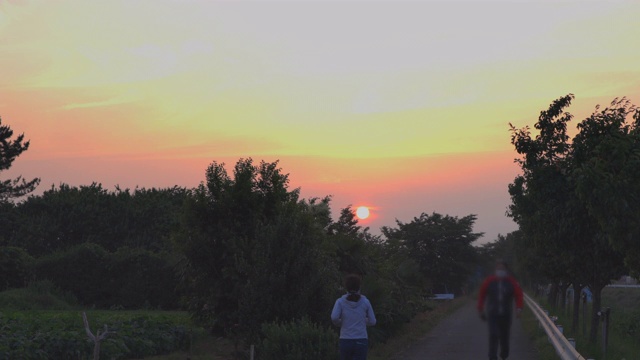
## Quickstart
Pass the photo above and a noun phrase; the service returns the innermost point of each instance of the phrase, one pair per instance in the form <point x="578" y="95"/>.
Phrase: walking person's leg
<point x="361" y="348"/>
<point x="493" y="337"/>
<point x="505" y="332"/>
<point x="347" y="349"/>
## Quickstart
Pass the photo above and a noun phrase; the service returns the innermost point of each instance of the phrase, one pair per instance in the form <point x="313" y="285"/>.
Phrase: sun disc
<point x="362" y="212"/>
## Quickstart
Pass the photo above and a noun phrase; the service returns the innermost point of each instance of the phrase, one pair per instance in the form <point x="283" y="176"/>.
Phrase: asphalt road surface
<point x="463" y="336"/>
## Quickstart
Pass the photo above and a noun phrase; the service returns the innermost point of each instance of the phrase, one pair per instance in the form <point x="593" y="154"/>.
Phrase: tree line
<point x="240" y="250"/>
<point x="243" y="249"/>
<point x="577" y="200"/>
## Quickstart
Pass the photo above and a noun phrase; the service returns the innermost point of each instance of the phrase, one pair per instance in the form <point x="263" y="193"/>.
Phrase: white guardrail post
<point x="565" y="350"/>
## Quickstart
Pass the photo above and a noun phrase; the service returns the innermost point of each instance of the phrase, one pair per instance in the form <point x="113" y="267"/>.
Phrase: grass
<point x="45" y="302"/>
<point x="537" y="335"/>
<point x="624" y="327"/>
<point x="205" y="347"/>
<point x="37" y="296"/>
<point x="621" y="299"/>
<point x="413" y="331"/>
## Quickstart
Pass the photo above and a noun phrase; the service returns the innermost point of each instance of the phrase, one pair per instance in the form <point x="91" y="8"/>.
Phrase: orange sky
<point x="402" y="106"/>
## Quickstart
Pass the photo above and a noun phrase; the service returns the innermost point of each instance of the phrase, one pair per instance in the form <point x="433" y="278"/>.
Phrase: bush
<point x="142" y="279"/>
<point x="15" y="267"/>
<point x="394" y="305"/>
<point x="296" y="340"/>
<point x="81" y="270"/>
<point x="40" y="295"/>
<point x="126" y="279"/>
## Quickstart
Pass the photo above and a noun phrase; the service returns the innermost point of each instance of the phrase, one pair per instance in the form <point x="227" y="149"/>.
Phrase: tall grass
<point x="40" y="295"/>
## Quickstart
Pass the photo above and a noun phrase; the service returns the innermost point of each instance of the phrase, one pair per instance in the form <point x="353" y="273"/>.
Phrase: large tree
<point x="10" y="149"/>
<point x="441" y="245"/>
<point x="607" y="161"/>
<point x="253" y="250"/>
<point x="542" y="196"/>
<point x="558" y="224"/>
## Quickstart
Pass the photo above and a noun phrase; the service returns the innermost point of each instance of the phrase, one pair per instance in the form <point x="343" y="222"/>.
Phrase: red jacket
<point x="498" y="295"/>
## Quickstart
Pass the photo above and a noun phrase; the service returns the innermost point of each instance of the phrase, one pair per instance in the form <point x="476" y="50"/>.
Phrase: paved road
<point x="463" y="336"/>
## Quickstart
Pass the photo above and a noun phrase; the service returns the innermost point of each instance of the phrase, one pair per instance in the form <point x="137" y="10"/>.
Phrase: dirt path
<point x="463" y="336"/>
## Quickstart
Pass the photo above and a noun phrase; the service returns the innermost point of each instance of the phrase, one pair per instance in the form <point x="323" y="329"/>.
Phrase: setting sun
<point x="362" y="212"/>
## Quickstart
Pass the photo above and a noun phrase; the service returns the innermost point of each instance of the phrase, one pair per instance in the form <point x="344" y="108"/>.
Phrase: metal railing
<point x="563" y="347"/>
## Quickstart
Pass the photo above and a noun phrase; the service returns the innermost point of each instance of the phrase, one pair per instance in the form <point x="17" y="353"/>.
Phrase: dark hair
<point x="504" y="263"/>
<point x="352" y="283"/>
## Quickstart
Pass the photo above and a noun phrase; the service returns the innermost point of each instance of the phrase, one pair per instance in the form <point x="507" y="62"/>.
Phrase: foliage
<point x="548" y="202"/>
<point x="244" y="249"/>
<point x="80" y="270"/>
<point x="441" y="245"/>
<point x="61" y="335"/>
<point x="299" y="339"/>
<point x="15" y="267"/>
<point x="139" y="278"/>
<point x="67" y="216"/>
<point x="9" y="151"/>
<point x="623" y="326"/>
<point x="38" y="295"/>
<point x="127" y="278"/>
<point x="350" y="244"/>
<point x="253" y="250"/>
<point x="607" y="156"/>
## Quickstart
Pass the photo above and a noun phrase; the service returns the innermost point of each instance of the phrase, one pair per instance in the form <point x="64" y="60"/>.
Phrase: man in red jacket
<point x="495" y="304"/>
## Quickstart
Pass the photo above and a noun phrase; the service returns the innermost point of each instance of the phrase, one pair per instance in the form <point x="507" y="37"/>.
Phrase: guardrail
<point x="563" y="347"/>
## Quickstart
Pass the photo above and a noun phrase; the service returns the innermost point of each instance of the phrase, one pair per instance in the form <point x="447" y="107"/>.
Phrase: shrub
<point x="300" y="339"/>
<point x="81" y="270"/>
<point x="142" y="279"/>
<point x="126" y="279"/>
<point x="40" y="295"/>
<point x="15" y="267"/>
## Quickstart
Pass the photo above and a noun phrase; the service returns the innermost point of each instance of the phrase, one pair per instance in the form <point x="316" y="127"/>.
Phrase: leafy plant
<point x="60" y="335"/>
<point x="299" y="339"/>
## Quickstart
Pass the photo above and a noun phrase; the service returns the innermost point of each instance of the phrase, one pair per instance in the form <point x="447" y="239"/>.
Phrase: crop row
<point x="61" y="334"/>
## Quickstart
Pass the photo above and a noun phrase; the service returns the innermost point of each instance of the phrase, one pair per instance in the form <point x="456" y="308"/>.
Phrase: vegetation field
<point x="210" y="348"/>
<point x="624" y="327"/>
<point x="60" y="334"/>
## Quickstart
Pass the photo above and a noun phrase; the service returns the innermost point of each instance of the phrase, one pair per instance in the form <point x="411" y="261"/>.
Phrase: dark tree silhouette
<point x="9" y="151"/>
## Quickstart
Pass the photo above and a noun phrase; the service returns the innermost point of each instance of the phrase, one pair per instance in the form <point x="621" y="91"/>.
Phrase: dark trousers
<point x="499" y="330"/>
<point x="354" y="349"/>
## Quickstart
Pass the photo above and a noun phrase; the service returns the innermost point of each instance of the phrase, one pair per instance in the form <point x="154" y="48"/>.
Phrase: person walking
<point x="495" y="305"/>
<point x="353" y="313"/>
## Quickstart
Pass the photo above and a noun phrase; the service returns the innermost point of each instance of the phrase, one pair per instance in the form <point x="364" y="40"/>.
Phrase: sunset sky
<point x="401" y="106"/>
